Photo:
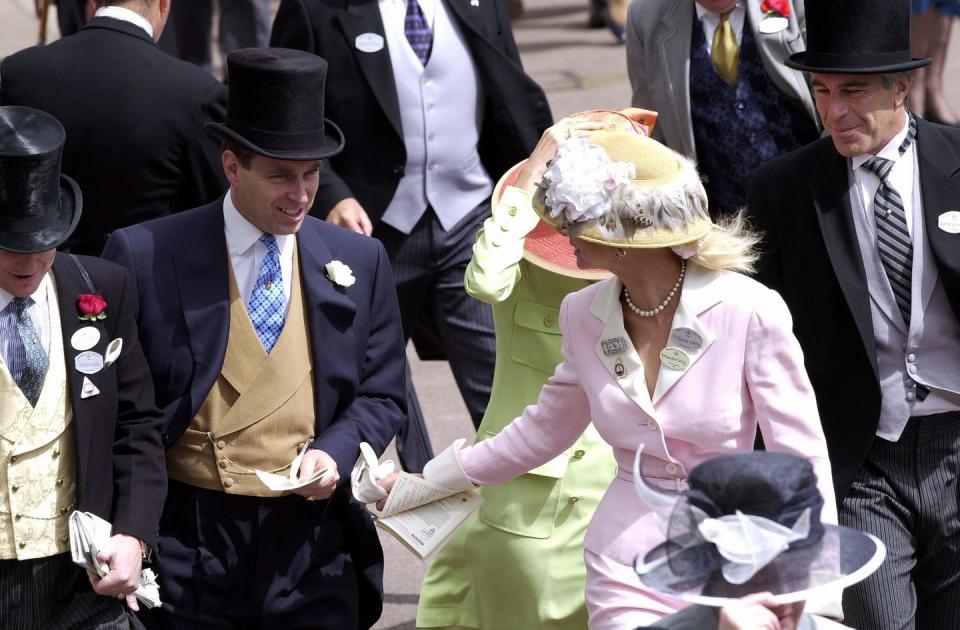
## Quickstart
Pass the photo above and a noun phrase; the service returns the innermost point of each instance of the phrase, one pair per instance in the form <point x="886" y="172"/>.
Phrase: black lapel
<point x="201" y="276"/>
<point x="330" y="314"/>
<point x="364" y="17"/>
<point x="939" y="162"/>
<point x="86" y="412"/>
<point x="831" y="194"/>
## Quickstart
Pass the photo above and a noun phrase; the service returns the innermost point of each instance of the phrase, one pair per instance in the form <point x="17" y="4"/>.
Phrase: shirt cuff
<point x="446" y="471"/>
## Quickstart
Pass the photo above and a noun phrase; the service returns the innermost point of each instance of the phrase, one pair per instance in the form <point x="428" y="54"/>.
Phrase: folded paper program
<point x="285" y="483"/>
<point x="88" y="534"/>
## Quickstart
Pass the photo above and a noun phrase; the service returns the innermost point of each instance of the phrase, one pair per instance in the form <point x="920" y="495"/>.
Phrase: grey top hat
<point x="857" y="37"/>
<point x="39" y="207"/>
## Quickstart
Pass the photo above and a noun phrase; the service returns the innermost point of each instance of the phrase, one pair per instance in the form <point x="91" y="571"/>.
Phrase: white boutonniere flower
<point x="340" y="273"/>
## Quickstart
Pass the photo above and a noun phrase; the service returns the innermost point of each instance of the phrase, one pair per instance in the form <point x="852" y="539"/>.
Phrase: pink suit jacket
<point x="747" y="373"/>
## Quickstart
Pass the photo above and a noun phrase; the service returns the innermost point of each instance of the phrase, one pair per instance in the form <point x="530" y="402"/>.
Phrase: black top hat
<point x="39" y="207"/>
<point x="275" y="105"/>
<point x="750" y="523"/>
<point x="857" y="37"/>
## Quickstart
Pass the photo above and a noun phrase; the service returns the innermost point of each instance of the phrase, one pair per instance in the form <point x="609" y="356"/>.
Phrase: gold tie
<point x="724" y="50"/>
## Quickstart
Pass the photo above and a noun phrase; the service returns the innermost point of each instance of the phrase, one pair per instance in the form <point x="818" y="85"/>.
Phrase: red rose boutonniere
<point x="776" y="8"/>
<point x="91" y="306"/>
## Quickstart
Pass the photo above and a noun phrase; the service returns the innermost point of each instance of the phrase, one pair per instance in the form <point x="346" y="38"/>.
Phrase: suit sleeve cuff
<point x="446" y="471"/>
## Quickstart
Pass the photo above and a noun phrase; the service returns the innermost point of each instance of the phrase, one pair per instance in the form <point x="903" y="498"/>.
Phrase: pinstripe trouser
<point x="428" y="268"/>
<point x="54" y="594"/>
<point x="906" y="494"/>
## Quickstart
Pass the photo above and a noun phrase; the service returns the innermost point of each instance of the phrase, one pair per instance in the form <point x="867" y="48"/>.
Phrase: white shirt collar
<point x="241" y="235"/>
<point x="891" y="151"/>
<point x="126" y="15"/>
<point x="398" y="8"/>
<point x="39" y="296"/>
<point x="702" y="11"/>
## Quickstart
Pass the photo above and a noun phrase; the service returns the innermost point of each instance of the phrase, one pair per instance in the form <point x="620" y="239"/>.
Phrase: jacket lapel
<point x="939" y="163"/>
<point x="614" y="348"/>
<point x="330" y="314"/>
<point x="697" y="297"/>
<point x="674" y="45"/>
<point x="831" y="194"/>
<point x="69" y="285"/>
<point x="364" y="17"/>
<point x="202" y="279"/>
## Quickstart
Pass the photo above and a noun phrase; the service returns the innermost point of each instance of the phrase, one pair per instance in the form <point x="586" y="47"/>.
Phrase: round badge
<point x="85" y="338"/>
<point x="88" y="362"/>
<point x="773" y="24"/>
<point x="674" y="358"/>
<point x="686" y="338"/>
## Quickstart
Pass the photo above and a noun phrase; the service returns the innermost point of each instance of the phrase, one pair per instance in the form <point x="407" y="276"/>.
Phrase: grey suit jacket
<point x="658" y="62"/>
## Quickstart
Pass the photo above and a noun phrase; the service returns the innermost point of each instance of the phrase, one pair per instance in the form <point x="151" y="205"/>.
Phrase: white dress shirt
<point x="39" y="313"/>
<point x="900" y="177"/>
<point x="126" y="15"/>
<point x="394" y="14"/>
<point x="247" y="252"/>
<point x="711" y="21"/>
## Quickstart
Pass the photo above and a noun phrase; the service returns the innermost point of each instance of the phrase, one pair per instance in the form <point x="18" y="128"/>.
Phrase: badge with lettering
<point x="369" y="42"/>
<point x="773" y="24"/>
<point x="686" y="338"/>
<point x="949" y="222"/>
<point x="113" y="351"/>
<point x="617" y="345"/>
<point x="674" y="358"/>
<point x="85" y="338"/>
<point x="88" y="389"/>
<point x="88" y="362"/>
<point x="620" y="370"/>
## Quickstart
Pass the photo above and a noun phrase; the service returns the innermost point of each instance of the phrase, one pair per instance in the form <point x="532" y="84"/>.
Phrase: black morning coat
<point x="801" y="202"/>
<point x="134" y="120"/>
<point x="362" y="97"/>
<point x="121" y="474"/>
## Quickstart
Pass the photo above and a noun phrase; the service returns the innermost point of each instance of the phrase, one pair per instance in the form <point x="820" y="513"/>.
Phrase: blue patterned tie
<point x="266" y="301"/>
<point x="418" y="32"/>
<point x="27" y="351"/>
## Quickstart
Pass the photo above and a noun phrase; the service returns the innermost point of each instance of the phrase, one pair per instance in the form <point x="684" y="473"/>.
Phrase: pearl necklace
<point x="662" y="305"/>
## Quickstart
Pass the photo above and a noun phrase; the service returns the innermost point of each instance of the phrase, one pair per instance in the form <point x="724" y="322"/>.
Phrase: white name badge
<point x="773" y="24"/>
<point x="686" y="338"/>
<point x="85" y="338"/>
<point x="949" y="222"/>
<point x="674" y="359"/>
<point x="88" y="362"/>
<point x="369" y="42"/>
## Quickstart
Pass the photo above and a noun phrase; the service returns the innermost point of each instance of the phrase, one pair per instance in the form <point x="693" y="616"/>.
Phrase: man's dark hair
<point x="244" y="155"/>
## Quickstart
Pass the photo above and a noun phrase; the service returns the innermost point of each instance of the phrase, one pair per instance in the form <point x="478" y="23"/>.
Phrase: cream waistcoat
<point x="38" y="461"/>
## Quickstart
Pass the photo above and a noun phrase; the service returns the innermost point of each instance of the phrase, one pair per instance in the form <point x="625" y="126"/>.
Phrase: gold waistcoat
<point x="260" y="411"/>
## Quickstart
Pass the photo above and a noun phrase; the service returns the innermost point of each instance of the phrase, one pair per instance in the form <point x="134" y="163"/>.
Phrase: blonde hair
<point x="730" y="244"/>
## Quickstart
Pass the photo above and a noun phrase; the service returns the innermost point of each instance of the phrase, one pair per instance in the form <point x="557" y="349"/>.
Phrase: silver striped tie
<point x="893" y="238"/>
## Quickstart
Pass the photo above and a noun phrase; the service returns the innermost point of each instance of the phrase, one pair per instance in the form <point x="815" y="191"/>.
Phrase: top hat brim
<point x="544" y="246"/>
<point x="843" y="557"/>
<point x="285" y="146"/>
<point x="55" y="229"/>
<point x="851" y="64"/>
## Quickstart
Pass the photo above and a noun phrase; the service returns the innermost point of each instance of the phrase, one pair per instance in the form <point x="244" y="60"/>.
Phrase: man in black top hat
<point x="134" y="117"/>
<point x="269" y="333"/>
<point x="78" y="426"/>
<point x="863" y="242"/>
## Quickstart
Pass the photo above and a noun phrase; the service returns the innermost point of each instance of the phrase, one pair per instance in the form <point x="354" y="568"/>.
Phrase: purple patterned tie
<point x="418" y="32"/>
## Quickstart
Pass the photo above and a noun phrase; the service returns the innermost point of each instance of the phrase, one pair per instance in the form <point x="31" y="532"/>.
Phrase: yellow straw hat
<point x="623" y="190"/>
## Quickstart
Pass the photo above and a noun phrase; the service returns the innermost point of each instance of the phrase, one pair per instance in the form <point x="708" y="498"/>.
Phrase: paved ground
<point x="580" y="69"/>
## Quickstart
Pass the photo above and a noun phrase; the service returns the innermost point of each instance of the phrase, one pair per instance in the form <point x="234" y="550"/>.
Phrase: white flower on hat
<point x="582" y="178"/>
<point x="339" y="273"/>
